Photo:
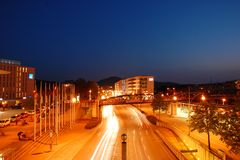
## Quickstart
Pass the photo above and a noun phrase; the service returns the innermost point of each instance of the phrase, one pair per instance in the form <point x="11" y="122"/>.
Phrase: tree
<point x="205" y="119"/>
<point x="159" y="103"/>
<point x="229" y="127"/>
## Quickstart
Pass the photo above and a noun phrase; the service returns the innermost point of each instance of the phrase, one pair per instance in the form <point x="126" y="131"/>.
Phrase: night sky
<point x="179" y="41"/>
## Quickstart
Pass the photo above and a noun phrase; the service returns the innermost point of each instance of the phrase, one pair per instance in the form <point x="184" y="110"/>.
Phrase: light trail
<point x="136" y="116"/>
<point x="104" y="148"/>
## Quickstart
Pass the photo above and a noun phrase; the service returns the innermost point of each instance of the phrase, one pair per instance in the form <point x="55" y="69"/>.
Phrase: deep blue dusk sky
<point x="181" y="41"/>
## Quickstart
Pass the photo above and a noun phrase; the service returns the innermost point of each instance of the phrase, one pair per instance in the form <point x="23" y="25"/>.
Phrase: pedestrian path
<point x="176" y="142"/>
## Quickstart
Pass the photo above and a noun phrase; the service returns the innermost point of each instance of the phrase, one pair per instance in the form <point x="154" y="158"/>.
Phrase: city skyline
<point x="183" y="42"/>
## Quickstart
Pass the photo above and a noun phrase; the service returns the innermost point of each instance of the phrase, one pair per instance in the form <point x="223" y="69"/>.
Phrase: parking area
<point x="19" y="121"/>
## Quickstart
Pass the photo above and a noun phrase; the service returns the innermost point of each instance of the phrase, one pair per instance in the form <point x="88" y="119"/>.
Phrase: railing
<point x="203" y="152"/>
<point x="176" y="152"/>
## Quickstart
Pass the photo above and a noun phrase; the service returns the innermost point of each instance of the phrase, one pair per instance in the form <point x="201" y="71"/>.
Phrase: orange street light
<point x="224" y="100"/>
<point x="90" y="95"/>
<point x="203" y="98"/>
<point x="174" y="98"/>
<point x="74" y="100"/>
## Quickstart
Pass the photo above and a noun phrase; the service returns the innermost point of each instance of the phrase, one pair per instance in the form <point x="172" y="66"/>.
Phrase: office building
<point x="16" y="82"/>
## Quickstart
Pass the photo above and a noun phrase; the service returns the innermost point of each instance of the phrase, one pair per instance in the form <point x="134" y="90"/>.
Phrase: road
<point x="142" y="142"/>
<point x="104" y="141"/>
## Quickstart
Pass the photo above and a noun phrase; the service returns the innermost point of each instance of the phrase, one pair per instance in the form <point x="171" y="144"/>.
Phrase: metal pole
<point x="35" y="113"/>
<point x="189" y="131"/>
<point x="45" y="107"/>
<point x="159" y="114"/>
<point x="53" y="107"/>
<point x="49" y="105"/>
<point x="70" y="111"/>
<point x="62" y="103"/>
<point x="124" y="150"/>
<point x="51" y="141"/>
<point x="40" y="114"/>
<point x="56" y="115"/>
<point x="59" y="107"/>
<point x="124" y="146"/>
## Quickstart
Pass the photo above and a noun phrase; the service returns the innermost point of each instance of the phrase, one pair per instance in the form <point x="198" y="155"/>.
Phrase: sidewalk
<point x="41" y="148"/>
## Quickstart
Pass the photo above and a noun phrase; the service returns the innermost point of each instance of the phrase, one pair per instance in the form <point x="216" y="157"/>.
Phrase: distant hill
<point x="108" y="81"/>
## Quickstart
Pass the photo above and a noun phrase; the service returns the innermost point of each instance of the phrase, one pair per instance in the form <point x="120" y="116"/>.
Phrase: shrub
<point x="152" y="119"/>
<point x="91" y="124"/>
<point x="142" y="112"/>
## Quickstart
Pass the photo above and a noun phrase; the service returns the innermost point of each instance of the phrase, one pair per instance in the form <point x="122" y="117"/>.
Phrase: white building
<point x="135" y="85"/>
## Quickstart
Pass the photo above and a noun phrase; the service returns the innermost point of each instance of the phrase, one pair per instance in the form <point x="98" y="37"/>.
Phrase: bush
<point x="142" y="112"/>
<point x="91" y="124"/>
<point x="152" y="119"/>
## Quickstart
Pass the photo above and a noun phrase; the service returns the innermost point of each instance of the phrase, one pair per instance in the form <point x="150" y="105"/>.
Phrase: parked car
<point x="4" y="122"/>
<point x="14" y="118"/>
<point x="23" y="115"/>
<point x="30" y="112"/>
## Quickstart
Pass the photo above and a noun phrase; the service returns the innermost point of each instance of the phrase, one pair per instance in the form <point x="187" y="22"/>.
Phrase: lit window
<point x="30" y="76"/>
<point x="150" y="79"/>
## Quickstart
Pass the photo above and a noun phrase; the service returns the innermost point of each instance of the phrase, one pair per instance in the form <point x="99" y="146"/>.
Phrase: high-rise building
<point x="16" y="82"/>
<point x="135" y="85"/>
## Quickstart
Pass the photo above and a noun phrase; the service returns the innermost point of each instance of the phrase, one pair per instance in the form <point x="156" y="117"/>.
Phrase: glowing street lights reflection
<point x="104" y="148"/>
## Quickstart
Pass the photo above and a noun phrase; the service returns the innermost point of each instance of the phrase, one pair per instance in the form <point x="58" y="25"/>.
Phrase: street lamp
<point x="224" y="100"/>
<point x="203" y="98"/>
<point x="90" y="95"/>
<point x="124" y="146"/>
<point x="174" y="98"/>
<point x="74" y="100"/>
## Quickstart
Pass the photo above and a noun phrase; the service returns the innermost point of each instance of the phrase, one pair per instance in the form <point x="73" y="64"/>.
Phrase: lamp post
<point x="174" y="99"/>
<point x="223" y="101"/>
<point x="90" y="95"/>
<point x="124" y="146"/>
<point x="203" y="98"/>
<point x="74" y="100"/>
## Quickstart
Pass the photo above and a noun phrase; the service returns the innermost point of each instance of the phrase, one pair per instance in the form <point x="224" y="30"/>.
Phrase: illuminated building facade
<point x="106" y="92"/>
<point x="135" y="85"/>
<point x="16" y="82"/>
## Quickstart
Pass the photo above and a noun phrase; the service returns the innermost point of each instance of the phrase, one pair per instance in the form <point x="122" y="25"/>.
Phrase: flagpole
<point x="56" y="114"/>
<point x="45" y="107"/>
<point x="62" y="104"/>
<point x="59" y="107"/>
<point x="40" y="108"/>
<point x="53" y="107"/>
<point x="49" y="105"/>
<point x="35" y="111"/>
